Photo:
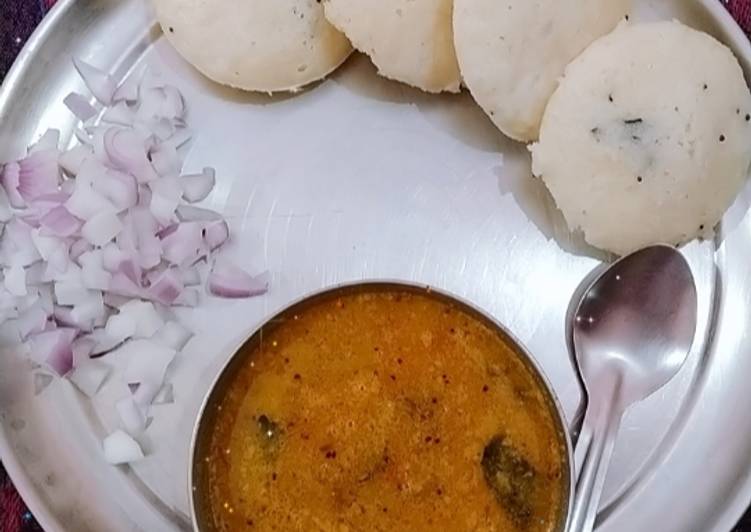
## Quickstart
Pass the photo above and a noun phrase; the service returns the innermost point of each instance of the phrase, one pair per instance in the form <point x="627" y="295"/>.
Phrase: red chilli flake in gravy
<point x="383" y="410"/>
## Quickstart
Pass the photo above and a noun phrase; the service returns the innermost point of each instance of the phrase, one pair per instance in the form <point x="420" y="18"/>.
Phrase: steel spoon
<point x="632" y="332"/>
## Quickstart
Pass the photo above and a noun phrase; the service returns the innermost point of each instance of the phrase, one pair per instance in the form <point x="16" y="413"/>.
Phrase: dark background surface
<point x="18" y="18"/>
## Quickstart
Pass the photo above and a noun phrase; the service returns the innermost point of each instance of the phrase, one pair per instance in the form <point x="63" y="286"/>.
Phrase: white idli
<point x="258" y="45"/>
<point x="512" y="52"/>
<point x="408" y="40"/>
<point x="648" y="137"/>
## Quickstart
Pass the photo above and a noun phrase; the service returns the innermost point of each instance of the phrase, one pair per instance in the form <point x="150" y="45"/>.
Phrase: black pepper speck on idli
<point x="646" y="138"/>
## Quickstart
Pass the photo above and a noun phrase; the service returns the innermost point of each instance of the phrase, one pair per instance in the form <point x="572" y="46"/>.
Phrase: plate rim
<point x="739" y="502"/>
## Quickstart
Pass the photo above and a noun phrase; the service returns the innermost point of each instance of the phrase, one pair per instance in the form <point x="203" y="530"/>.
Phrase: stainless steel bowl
<point x="207" y="413"/>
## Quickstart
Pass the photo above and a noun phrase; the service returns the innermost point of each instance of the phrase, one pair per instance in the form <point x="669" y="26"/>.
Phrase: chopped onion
<point x="10" y="179"/>
<point x="165" y="395"/>
<point x="79" y="106"/>
<point x="172" y="335"/>
<point x="72" y="160"/>
<point x="120" y="327"/>
<point x="147" y="361"/>
<point x="60" y="222"/>
<point x="147" y="319"/>
<point x="15" y="280"/>
<point x="50" y="140"/>
<point x="5" y="210"/>
<point x="38" y="174"/>
<point x="227" y="280"/>
<point x="85" y="203"/>
<point x="101" y="85"/>
<point x="119" y="114"/>
<point x="197" y="187"/>
<point x="167" y="287"/>
<point x="165" y="160"/>
<point x="216" y="234"/>
<point x="53" y="349"/>
<point x="119" y="448"/>
<point x="184" y="245"/>
<point x="96" y="235"/>
<point x="127" y="152"/>
<point x="89" y="376"/>
<point x="132" y="417"/>
<point x="102" y="228"/>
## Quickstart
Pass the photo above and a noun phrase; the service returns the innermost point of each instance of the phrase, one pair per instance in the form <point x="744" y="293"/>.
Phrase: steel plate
<point x="362" y="178"/>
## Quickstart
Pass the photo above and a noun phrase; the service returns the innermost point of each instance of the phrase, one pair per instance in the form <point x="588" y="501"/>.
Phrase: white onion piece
<point x="78" y="248"/>
<point x="94" y="275"/>
<point x="179" y="137"/>
<point x="103" y="343"/>
<point x="102" y="228"/>
<point x="148" y="321"/>
<point x="10" y="177"/>
<point x="191" y="276"/>
<point x="5" y="210"/>
<point x="89" y="376"/>
<point x="15" y="280"/>
<point x="82" y="348"/>
<point x="173" y="335"/>
<point x="166" y="160"/>
<point x="69" y="293"/>
<point x="53" y="349"/>
<point x="126" y="150"/>
<point x="216" y="234"/>
<point x="121" y="285"/>
<point x="229" y="281"/>
<point x="85" y="203"/>
<point x="184" y="245"/>
<point x="79" y="106"/>
<point x="145" y="228"/>
<point x="64" y="318"/>
<point x="165" y="395"/>
<point x="131" y="416"/>
<point x="119" y="114"/>
<point x="119" y="448"/>
<point x="89" y="311"/>
<point x="112" y="256"/>
<point x="101" y="84"/>
<point x="163" y="208"/>
<point x="197" y="187"/>
<point x="46" y="299"/>
<point x="120" y="327"/>
<point x="52" y="249"/>
<point x="190" y="213"/>
<point x="50" y="140"/>
<point x="32" y="321"/>
<point x="16" y="246"/>
<point x="119" y="188"/>
<point x="72" y="160"/>
<point x="147" y="361"/>
<point x="144" y="393"/>
<point x="190" y="297"/>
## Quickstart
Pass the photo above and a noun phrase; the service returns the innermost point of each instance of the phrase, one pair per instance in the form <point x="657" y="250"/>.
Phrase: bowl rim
<point x="519" y="347"/>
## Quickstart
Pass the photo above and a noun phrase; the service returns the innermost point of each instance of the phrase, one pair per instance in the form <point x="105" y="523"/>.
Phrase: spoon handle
<point x="594" y="450"/>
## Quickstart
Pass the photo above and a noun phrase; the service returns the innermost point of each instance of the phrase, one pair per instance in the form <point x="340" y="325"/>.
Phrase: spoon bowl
<point x="636" y="322"/>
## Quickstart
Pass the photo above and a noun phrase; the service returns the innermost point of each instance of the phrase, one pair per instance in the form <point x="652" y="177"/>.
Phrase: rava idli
<point x="408" y="40"/>
<point x="257" y="45"/>
<point x="648" y="137"/>
<point x="512" y="52"/>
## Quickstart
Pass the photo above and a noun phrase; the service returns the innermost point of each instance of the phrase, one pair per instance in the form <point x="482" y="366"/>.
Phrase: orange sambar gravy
<point x="381" y="409"/>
